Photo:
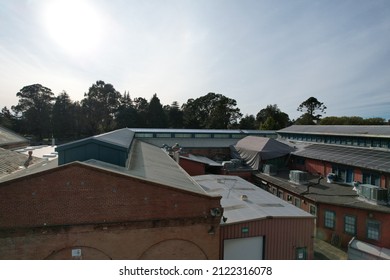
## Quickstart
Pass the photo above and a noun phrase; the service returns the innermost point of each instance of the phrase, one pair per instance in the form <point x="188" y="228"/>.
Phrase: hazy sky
<point x="256" y="52"/>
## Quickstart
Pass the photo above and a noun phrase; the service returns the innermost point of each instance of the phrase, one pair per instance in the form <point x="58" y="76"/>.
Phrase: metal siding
<point x="282" y="236"/>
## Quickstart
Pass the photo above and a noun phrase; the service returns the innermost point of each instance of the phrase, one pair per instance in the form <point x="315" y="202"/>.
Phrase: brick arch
<point x="87" y="253"/>
<point x="174" y="249"/>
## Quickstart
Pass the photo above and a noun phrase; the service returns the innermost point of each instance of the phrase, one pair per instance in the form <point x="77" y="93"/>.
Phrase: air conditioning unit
<point x="373" y="193"/>
<point x="298" y="177"/>
<point x="236" y="162"/>
<point x="270" y="169"/>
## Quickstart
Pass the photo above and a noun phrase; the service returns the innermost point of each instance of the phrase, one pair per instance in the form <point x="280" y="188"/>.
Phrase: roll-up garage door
<point x="250" y="248"/>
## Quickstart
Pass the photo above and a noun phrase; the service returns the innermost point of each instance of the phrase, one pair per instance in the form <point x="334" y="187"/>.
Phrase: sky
<point x="258" y="52"/>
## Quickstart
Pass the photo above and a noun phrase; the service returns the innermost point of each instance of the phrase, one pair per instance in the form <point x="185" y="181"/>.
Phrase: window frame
<point x="327" y="219"/>
<point x="370" y="232"/>
<point x="350" y="225"/>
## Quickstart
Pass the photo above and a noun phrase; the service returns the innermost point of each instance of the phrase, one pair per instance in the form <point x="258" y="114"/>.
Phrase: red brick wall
<point x="180" y="241"/>
<point x="315" y="166"/>
<point x="362" y="217"/>
<point x="193" y="168"/>
<point x="76" y="194"/>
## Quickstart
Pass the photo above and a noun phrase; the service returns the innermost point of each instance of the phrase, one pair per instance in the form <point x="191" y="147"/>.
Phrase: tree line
<point x="40" y="114"/>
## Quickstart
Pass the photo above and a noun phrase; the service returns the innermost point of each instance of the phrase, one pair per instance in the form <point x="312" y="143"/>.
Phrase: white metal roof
<point x="259" y="204"/>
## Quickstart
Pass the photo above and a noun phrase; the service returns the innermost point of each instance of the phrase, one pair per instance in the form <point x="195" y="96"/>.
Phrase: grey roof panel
<point x="10" y="137"/>
<point x="121" y="137"/>
<point x="350" y="130"/>
<point x="359" y="157"/>
<point x="153" y="164"/>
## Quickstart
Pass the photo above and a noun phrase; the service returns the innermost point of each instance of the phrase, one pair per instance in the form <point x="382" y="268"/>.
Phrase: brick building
<point x="258" y="225"/>
<point x="148" y="209"/>
<point x="351" y="201"/>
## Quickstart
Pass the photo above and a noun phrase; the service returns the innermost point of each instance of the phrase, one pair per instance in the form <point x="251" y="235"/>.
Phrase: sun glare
<point x="76" y="26"/>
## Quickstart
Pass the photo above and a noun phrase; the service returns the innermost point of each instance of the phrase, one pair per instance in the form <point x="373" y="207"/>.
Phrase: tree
<point x="174" y="114"/>
<point x="155" y="115"/>
<point x="211" y="111"/>
<point x="247" y="122"/>
<point x="272" y="118"/>
<point x="63" y="118"/>
<point x="34" y="109"/>
<point x="309" y="107"/>
<point x="8" y="120"/>
<point x="126" y="114"/>
<point x="141" y="105"/>
<point x="100" y="105"/>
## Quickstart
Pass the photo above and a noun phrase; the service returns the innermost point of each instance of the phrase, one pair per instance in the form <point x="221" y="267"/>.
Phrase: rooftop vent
<point x="298" y="177"/>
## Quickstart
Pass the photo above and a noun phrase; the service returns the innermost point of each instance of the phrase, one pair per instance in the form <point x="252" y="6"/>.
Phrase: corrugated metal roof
<point x="120" y="138"/>
<point x="8" y="137"/>
<point x="363" y="247"/>
<point x="202" y="159"/>
<point x="360" y="157"/>
<point x="153" y="164"/>
<point x="350" y="130"/>
<point x="259" y="204"/>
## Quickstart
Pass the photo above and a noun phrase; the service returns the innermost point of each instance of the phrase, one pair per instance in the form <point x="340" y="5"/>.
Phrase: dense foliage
<point x="40" y="114"/>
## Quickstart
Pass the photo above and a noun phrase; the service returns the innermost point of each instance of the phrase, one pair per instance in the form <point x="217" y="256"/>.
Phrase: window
<point x="163" y="135"/>
<point x="330" y="219"/>
<point x="202" y="135"/>
<point x="221" y="135"/>
<point x="350" y="225"/>
<point x="144" y="135"/>
<point x="373" y="229"/>
<point x="183" y="135"/>
<point x="313" y="210"/>
<point x="280" y="194"/>
<point x="297" y="202"/>
<point x="371" y="179"/>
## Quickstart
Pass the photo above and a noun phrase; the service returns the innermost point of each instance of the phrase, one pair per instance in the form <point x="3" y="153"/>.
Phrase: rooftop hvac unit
<point x="236" y="162"/>
<point x="298" y="177"/>
<point x="373" y="193"/>
<point x="270" y="169"/>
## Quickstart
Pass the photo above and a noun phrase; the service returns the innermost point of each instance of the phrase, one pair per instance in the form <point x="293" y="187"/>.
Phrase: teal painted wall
<point x="90" y="150"/>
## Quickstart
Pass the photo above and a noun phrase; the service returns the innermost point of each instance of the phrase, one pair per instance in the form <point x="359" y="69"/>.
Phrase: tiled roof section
<point x="364" y="158"/>
<point x="11" y="161"/>
<point x="347" y="130"/>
